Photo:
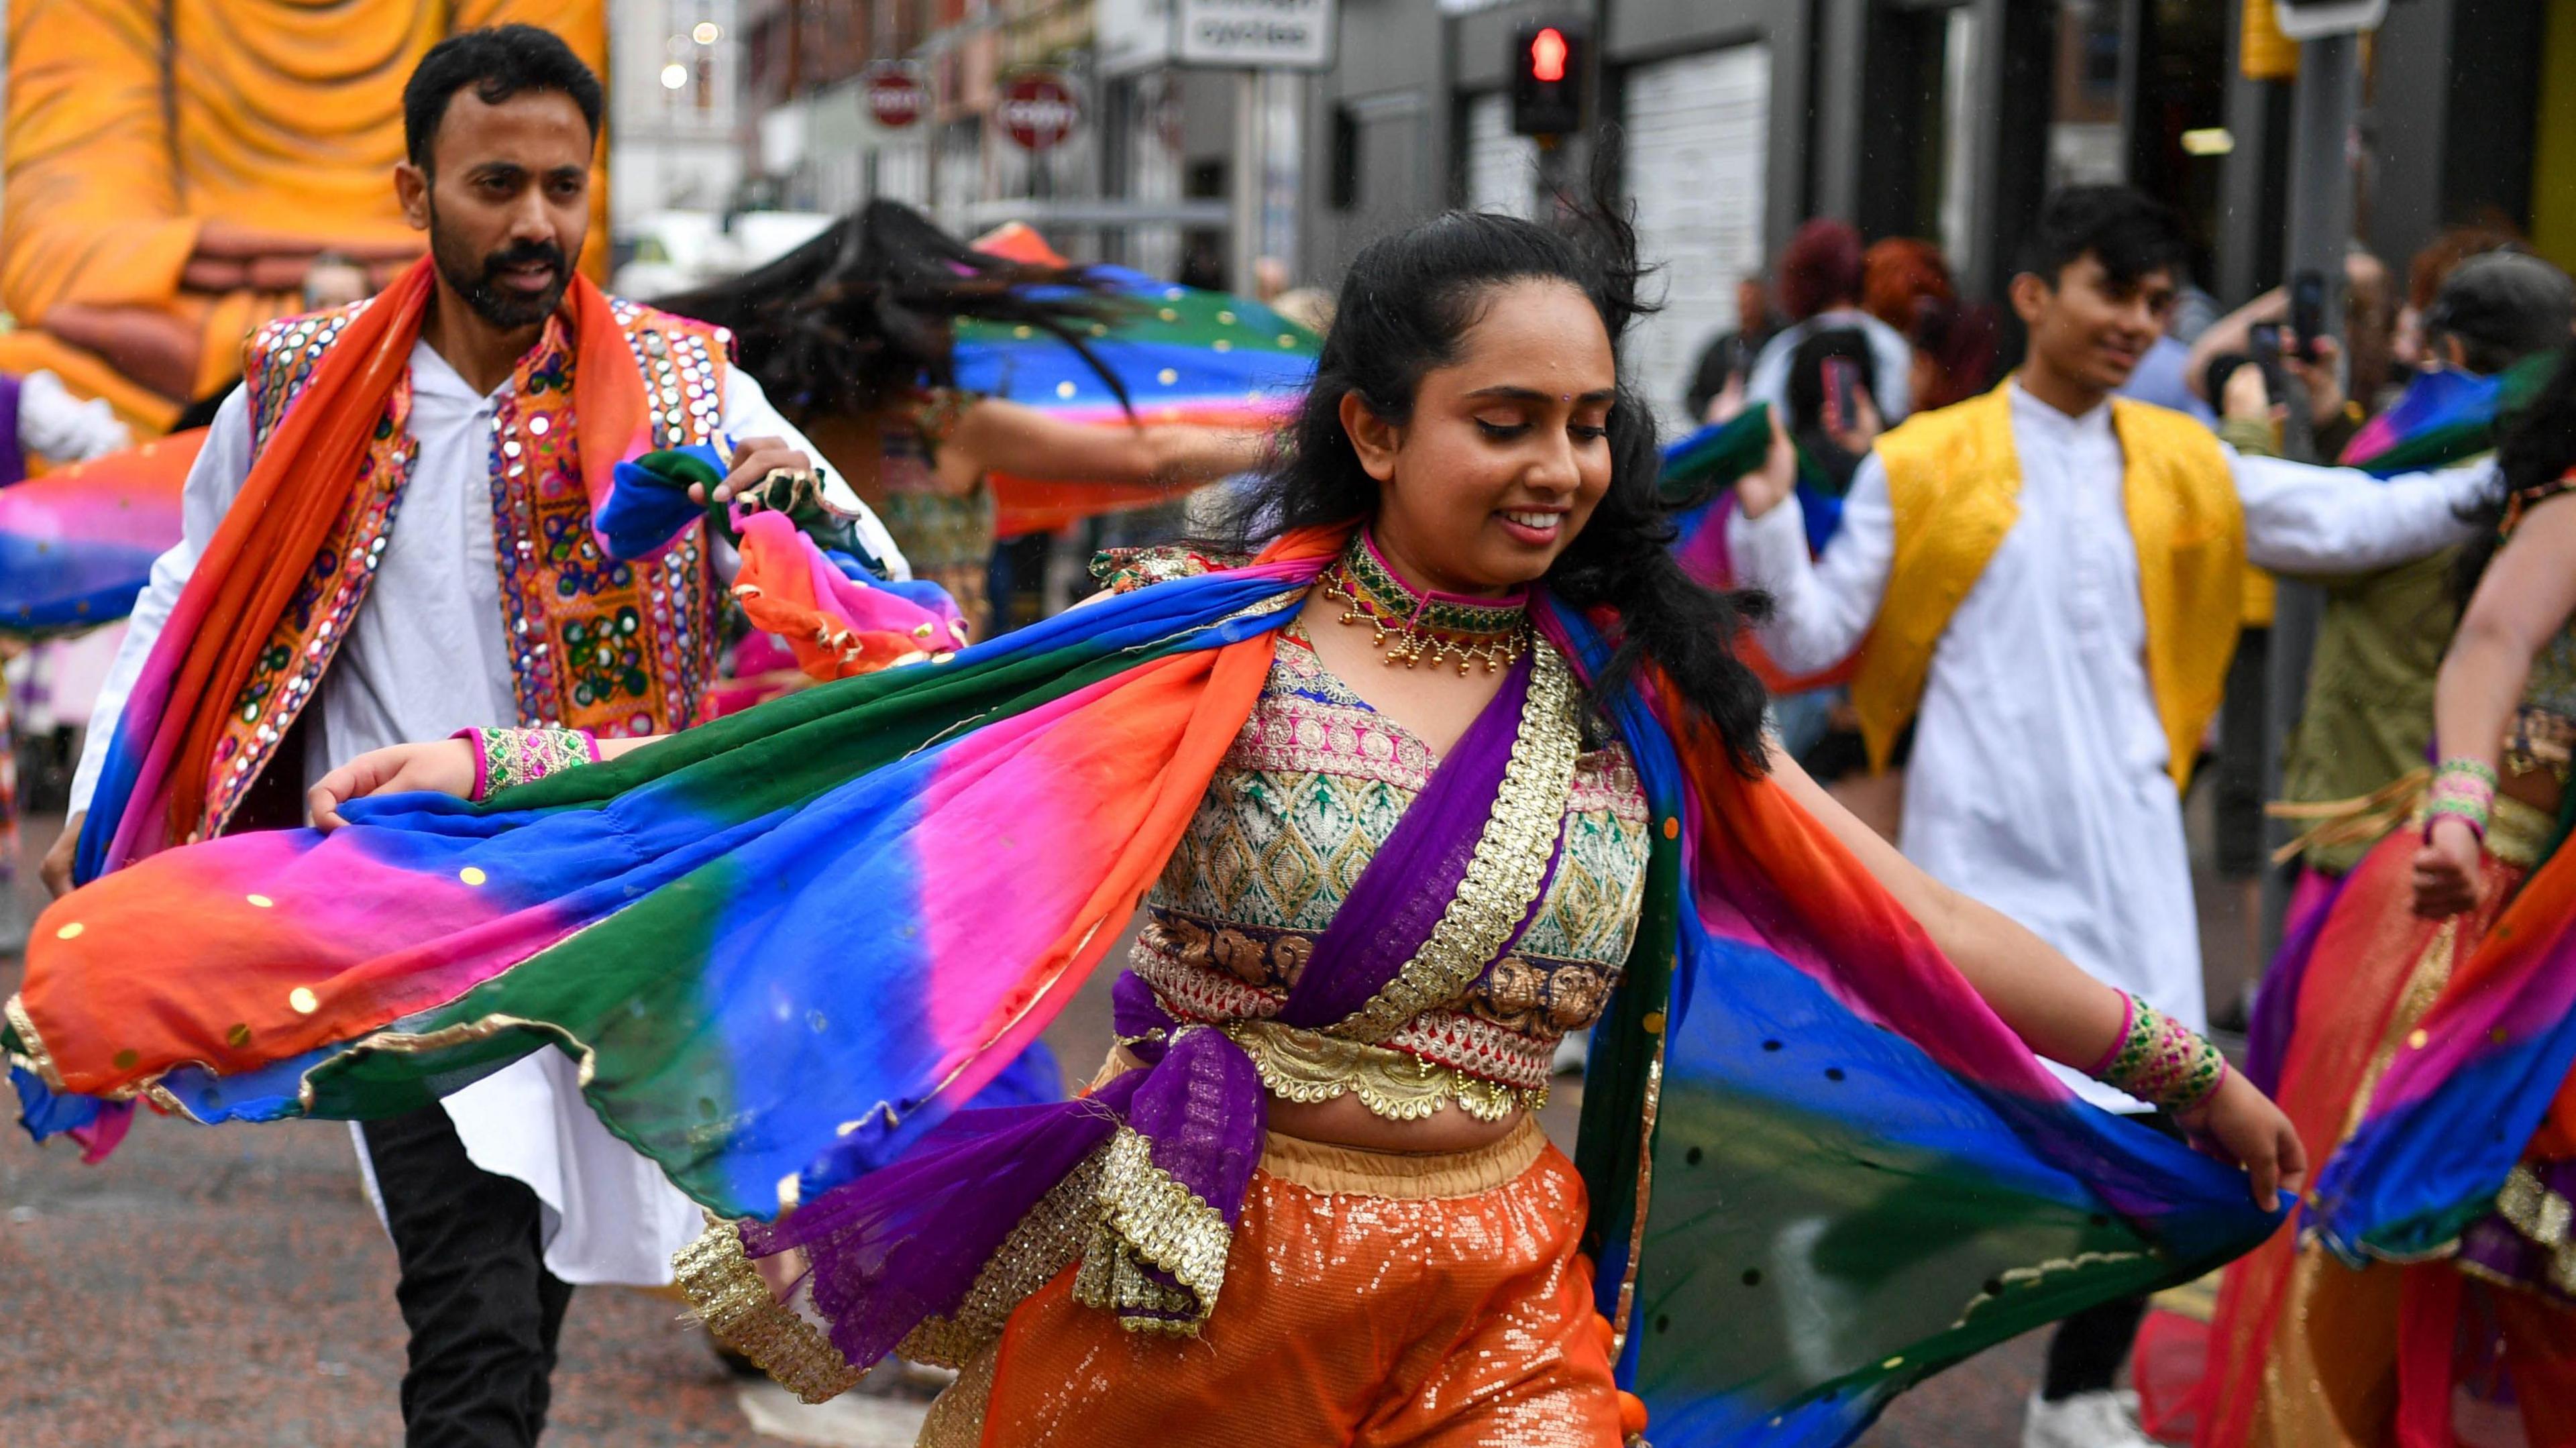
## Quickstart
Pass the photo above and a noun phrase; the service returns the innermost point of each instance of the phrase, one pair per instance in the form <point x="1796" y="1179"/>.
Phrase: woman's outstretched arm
<point x="444" y="766"/>
<point x="2058" y="1011"/>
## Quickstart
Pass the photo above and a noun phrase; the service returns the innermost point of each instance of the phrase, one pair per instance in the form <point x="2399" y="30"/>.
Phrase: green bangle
<point x="2475" y="769"/>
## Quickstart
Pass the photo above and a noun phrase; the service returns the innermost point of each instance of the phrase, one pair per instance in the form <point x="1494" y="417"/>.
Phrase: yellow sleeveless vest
<point x="1955" y="484"/>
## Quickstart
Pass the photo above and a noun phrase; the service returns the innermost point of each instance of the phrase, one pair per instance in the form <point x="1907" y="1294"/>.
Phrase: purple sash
<point x="1144" y="1180"/>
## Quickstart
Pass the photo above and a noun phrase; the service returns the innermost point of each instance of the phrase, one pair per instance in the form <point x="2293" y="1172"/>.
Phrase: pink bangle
<point x="2128" y="1020"/>
<point x="482" y="762"/>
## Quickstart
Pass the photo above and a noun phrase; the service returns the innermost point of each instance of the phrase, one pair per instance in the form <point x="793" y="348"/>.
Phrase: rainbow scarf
<point x="77" y="544"/>
<point x="802" y="934"/>
<point x="2485" y="1072"/>
<point x="1698" y="486"/>
<point x="2445" y="416"/>
<point x="1183" y="356"/>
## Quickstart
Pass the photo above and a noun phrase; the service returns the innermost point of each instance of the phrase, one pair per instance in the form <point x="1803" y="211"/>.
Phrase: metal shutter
<point x="1501" y="168"/>
<point x="1698" y="131"/>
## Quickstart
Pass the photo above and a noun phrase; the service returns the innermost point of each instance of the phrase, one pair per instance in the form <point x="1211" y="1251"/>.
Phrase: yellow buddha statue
<point x="174" y="168"/>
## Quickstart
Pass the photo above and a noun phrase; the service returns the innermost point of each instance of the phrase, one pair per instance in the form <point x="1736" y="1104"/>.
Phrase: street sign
<point x="1038" y="109"/>
<point x="2317" y="19"/>
<point x="1255" y="34"/>
<point x="896" y="94"/>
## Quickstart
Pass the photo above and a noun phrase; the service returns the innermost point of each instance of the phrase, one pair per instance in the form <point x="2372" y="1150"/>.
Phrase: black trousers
<point x="483" y="1310"/>
<point x="2085" y="1354"/>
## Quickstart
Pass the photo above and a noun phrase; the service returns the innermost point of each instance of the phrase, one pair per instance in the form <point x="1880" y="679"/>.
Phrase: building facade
<point x="676" y="108"/>
<point x="1737" y="120"/>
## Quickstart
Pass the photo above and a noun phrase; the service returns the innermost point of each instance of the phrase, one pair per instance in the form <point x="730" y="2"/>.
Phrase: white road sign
<point x="1254" y="34"/>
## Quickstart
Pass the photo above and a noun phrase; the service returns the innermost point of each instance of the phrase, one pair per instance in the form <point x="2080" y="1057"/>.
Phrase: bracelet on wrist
<point x="2163" y="1062"/>
<point x="2472" y="768"/>
<point x="504" y="758"/>
<point x="2463" y="789"/>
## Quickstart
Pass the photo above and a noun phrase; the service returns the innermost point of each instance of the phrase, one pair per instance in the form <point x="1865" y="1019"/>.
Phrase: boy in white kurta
<point x="2048" y="582"/>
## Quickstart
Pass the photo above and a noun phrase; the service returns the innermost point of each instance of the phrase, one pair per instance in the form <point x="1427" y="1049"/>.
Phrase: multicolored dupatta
<point x="1145" y="1179"/>
<point x="2485" y="1073"/>
<point x="2445" y="416"/>
<point x="786" y="944"/>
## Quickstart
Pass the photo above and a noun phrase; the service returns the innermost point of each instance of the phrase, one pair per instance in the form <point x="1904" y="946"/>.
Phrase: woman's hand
<point x="2446" y="869"/>
<point x="2240" y="1124"/>
<point x="445" y="766"/>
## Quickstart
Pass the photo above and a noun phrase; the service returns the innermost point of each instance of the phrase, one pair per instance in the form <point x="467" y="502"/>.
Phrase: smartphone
<point x="2307" y="313"/>
<point x="1842" y="394"/>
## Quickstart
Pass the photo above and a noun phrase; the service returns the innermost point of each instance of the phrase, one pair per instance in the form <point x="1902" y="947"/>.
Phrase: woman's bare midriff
<point x="1344" y="1121"/>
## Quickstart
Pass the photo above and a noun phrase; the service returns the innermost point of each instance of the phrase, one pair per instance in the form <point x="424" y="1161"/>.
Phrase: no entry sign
<point x="896" y="96"/>
<point x="1038" y="109"/>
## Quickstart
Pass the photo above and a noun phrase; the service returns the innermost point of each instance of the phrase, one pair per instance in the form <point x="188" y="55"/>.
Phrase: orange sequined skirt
<point x="1370" y="1299"/>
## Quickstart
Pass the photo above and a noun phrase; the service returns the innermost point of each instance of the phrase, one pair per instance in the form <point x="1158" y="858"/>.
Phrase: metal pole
<point x="1248" y="173"/>
<point x="2321" y="221"/>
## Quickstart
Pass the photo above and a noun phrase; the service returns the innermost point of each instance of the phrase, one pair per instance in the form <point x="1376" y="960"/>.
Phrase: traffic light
<point x="1548" y="64"/>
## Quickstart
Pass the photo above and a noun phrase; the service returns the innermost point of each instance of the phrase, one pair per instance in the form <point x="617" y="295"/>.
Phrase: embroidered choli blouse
<point x="1310" y="789"/>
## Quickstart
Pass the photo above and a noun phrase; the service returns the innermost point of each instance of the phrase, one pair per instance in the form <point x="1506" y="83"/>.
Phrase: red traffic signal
<point x="1547" y="77"/>
<point x="1547" y="54"/>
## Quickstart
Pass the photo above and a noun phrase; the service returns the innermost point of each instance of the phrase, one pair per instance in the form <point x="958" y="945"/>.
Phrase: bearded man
<point x="389" y="536"/>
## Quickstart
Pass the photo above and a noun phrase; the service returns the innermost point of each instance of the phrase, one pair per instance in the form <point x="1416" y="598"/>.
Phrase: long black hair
<point x="2537" y="449"/>
<point x="862" y="315"/>
<point x="1406" y="307"/>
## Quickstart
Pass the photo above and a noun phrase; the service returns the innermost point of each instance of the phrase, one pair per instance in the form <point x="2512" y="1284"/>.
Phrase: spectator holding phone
<point x="1821" y="279"/>
<point x="2494" y="327"/>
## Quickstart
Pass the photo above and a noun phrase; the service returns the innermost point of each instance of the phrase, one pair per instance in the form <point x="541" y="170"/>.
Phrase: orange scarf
<point x="299" y="486"/>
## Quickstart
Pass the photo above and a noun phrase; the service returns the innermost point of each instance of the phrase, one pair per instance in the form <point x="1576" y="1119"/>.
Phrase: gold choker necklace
<point x="1412" y="625"/>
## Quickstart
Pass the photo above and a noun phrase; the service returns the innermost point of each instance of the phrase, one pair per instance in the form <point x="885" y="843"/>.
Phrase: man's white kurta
<point x="425" y="657"/>
<point x="2038" y="782"/>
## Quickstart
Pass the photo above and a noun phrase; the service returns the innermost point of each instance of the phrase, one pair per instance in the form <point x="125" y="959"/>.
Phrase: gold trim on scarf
<point x="1508" y="869"/>
<point x="2012" y="1277"/>
<point x="31" y="1046"/>
<point x="1627" y="1300"/>
<point x="956" y="1417"/>
<point x="2360" y="820"/>
<point x="2531" y="1208"/>
<point x="2517" y="833"/>
<point x="1149" y="1218"/>
<point x="1308" y="1067"/>
<point x="1044" y="1243"/>
<point x="741" y="1312"/>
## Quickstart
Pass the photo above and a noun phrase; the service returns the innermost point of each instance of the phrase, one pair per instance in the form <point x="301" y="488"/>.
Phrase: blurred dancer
<point x="852" y="333"/>
<point x="2050" y="582"/>
<point x="2448" y="931"/>
<point x="2355" y="762"/>
<point x="439" y="448"/>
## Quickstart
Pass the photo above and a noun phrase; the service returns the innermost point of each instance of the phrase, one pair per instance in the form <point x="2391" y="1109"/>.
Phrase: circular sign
<point x="896" y="96"/>
<point x="1038" y="109"/>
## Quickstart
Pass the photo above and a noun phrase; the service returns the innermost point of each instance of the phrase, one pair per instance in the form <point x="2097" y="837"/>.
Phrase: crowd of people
<point x="2028" y="687"/>
<point x="1425" y="755"/>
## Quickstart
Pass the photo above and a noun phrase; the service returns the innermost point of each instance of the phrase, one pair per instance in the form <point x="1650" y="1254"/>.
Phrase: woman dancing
<point x="2445" y="940"/>
<point x="1458" y="763"/>
<point x="851" y="334"/>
